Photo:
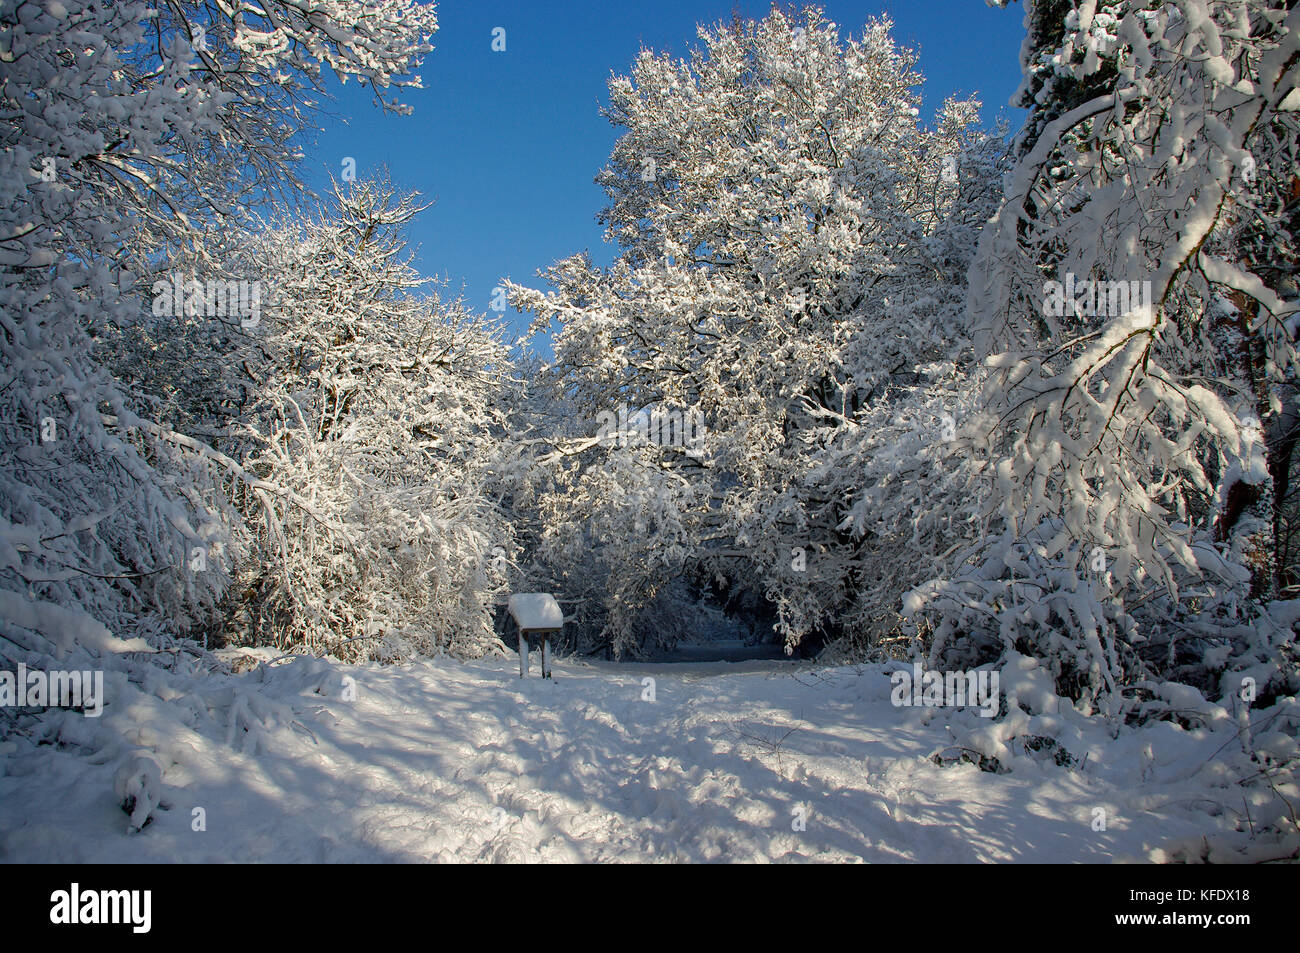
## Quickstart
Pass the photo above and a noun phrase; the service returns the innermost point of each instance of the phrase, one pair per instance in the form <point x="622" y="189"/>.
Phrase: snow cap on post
<point x="535" y="611"/>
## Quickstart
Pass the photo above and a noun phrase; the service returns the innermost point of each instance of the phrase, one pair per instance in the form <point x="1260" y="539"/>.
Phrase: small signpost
<point x="535" y="614"/>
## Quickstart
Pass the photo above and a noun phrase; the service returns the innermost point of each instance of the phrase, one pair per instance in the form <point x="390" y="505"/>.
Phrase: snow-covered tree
<point x="379" y="409"/>
<point x="1135" y="299"/>
<point x="794" y="241"/>
<point x="127" y="127"/>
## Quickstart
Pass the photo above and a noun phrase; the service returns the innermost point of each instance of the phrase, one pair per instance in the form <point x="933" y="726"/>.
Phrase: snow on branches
<point x="382" y="407"/>
<point x="793" y="245"/>
<point x="1130" y="467"/>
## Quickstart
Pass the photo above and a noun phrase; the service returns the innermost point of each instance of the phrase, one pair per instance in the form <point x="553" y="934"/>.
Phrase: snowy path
<point x="447" y="761"/>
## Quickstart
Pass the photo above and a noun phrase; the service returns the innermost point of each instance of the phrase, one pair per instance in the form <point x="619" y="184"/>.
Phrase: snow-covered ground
<point x="756" y="761"/>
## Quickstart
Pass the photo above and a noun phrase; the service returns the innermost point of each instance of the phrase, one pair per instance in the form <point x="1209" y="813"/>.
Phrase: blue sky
<point x="507" y="143"/>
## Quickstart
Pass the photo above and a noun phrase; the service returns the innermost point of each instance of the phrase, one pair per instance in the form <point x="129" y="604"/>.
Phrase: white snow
<point x="535" y="610"/>
<point x="844" y="303"/>
<point x="443" y="761"/>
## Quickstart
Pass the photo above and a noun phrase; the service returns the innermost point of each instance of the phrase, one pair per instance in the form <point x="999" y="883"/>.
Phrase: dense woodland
<point x="962" y="391"/>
